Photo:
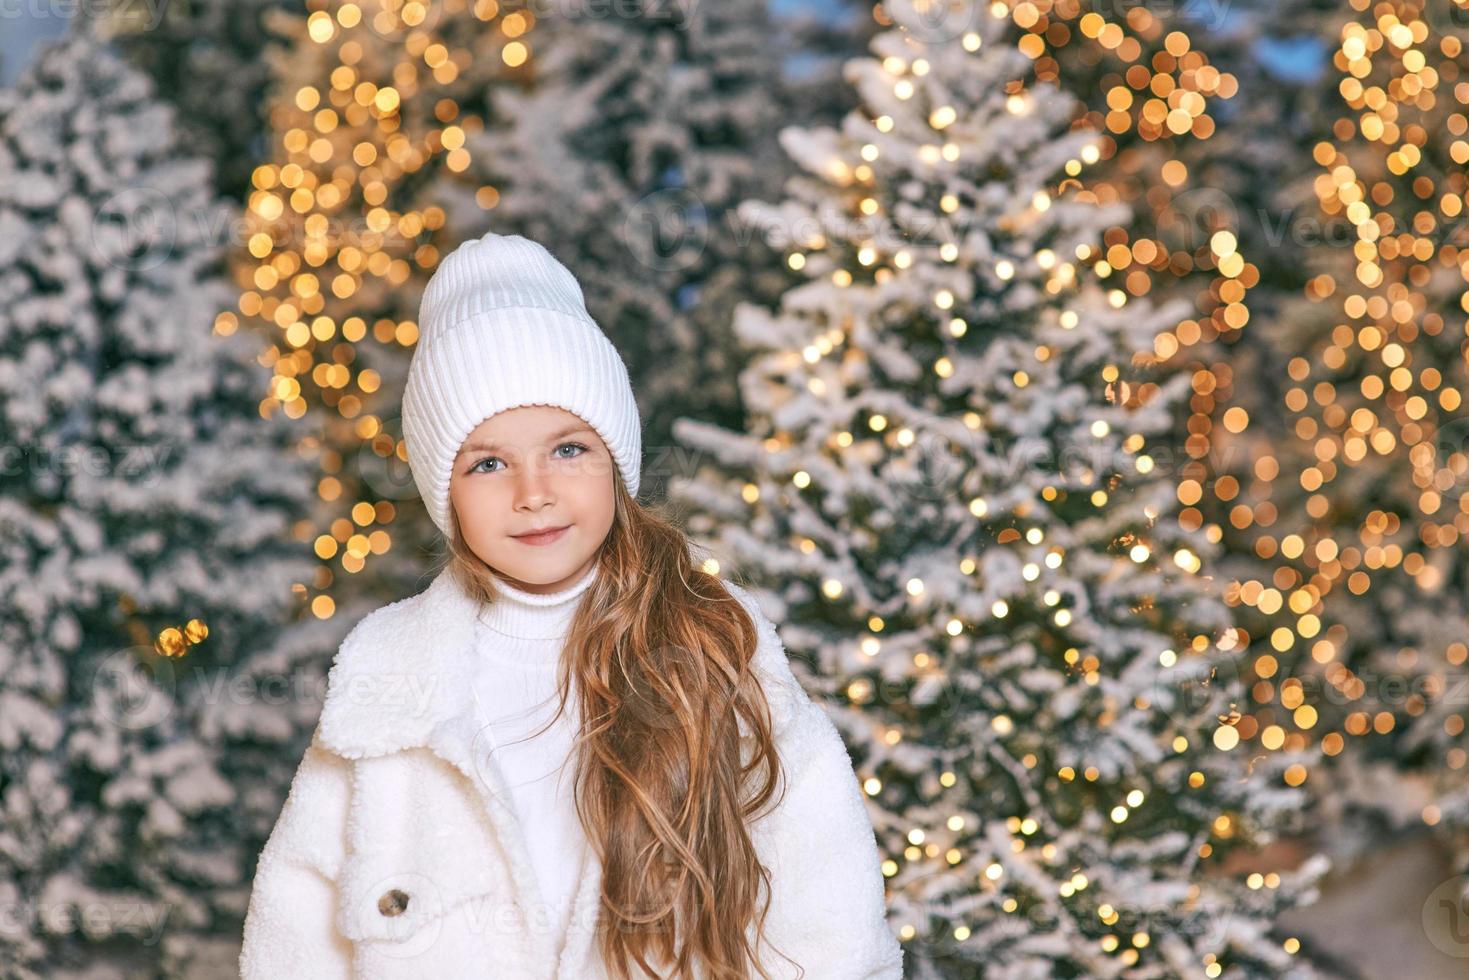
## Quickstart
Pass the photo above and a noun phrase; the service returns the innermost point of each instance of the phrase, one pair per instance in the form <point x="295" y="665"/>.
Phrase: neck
<point x="534" y="615"/>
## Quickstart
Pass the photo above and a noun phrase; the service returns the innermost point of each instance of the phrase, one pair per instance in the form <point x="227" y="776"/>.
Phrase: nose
<point x="533" y="487"/>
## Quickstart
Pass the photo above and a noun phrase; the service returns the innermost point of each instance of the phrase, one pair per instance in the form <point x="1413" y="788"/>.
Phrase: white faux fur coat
<point x="397" y="854"/>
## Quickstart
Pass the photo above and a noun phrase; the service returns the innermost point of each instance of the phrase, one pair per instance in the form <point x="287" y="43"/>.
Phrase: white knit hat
<point x="503" y="324"/>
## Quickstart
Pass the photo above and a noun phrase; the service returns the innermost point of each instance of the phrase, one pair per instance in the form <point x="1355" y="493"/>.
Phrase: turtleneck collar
<point x="532" y="615"/>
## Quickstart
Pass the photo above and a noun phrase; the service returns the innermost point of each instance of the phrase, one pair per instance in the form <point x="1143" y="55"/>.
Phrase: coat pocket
<point x="425" y="889"/>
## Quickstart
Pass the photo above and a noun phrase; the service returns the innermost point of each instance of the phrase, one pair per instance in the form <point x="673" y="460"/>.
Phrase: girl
<point x="684" y="812"/>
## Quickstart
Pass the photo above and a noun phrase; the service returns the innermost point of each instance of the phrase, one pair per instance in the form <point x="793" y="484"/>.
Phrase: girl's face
<point x="527" y="469"/>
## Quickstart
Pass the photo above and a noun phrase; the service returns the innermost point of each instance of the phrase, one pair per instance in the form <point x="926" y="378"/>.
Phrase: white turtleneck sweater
<point x="518" y="641"/>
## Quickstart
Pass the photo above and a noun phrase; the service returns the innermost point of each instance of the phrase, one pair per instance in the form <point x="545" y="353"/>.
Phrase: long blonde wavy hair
<point x="661" y="656"/>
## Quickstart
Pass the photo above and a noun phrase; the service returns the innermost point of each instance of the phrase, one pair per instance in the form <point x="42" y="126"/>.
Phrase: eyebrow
<point x="490" y="447"/>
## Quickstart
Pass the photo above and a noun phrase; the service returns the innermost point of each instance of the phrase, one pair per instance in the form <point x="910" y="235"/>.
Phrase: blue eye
<point x="496" y="459"/>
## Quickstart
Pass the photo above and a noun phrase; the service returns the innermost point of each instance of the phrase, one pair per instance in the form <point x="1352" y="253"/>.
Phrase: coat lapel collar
<point x="401" y="681"/>
<point x="395" y="678"/>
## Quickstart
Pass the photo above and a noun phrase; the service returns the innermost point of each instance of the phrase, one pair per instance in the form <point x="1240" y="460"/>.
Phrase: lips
<point x="542" y="537"/>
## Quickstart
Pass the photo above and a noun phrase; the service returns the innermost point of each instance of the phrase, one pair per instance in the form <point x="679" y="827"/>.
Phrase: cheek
<point x="593" y="494"/>
<point x="475" y="503"/>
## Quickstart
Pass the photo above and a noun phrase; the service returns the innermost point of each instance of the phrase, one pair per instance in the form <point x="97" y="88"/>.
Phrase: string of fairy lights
<point x="1402" y="79"/>
<point x="339" y="235"/>
<point x="1160" y="96"/>
<point x="1402" y="39"/>
<point x="1374" y="393"/>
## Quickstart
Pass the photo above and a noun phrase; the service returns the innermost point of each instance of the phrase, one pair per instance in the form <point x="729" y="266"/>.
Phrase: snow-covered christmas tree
<point x="152" y="685"/>
<point x="625" y="152"/>
<point x="207" y="59"/>
<point x="816" y="42"/>
<point x="957" y="499"/>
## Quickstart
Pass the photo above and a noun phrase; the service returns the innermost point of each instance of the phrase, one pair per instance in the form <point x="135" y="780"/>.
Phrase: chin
<point x="539" y="574"/>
